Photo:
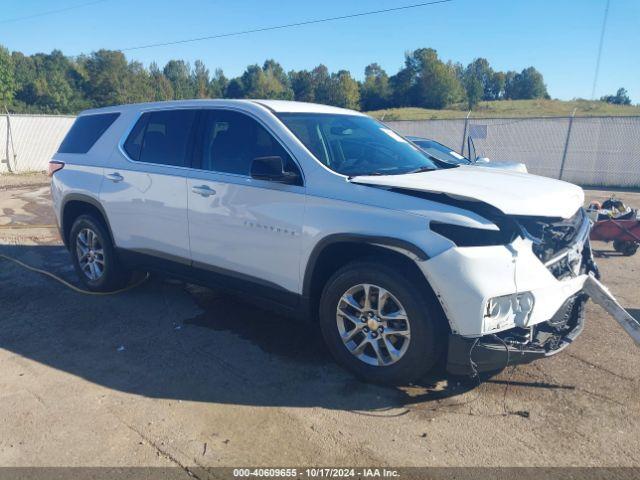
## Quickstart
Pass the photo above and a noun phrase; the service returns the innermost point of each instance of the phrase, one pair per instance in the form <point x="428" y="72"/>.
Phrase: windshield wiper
<point x="370" y="174"/>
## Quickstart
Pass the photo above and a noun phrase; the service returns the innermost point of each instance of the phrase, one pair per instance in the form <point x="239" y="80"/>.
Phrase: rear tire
<point x="94" y="256"/>
<point x="348" y="322"/>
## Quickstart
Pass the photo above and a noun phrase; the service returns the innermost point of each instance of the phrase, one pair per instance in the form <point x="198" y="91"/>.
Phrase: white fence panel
<point x="597" y="151"/>
<point x="35" y="139"/>
<point x="604" y="151"/>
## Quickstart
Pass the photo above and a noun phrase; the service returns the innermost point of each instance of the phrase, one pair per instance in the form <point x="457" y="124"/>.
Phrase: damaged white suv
<point x="334" y="217"/>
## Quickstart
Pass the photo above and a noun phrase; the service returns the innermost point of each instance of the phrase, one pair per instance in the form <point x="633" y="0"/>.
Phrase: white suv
<point x="402" y="259"/>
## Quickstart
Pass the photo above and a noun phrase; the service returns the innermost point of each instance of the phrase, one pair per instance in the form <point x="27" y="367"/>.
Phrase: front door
<point x="246" y="230"/>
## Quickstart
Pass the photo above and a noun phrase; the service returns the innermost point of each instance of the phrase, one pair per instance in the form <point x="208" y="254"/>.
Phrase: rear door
<point x="144" y="190"/>
<point x="248" y="230"/>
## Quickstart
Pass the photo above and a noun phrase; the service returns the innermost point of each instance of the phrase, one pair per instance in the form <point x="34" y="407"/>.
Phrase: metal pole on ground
<point x="602" y="296"/>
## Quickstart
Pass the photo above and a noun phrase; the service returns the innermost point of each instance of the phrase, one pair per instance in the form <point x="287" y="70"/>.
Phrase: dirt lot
<point x="170" y="374"/>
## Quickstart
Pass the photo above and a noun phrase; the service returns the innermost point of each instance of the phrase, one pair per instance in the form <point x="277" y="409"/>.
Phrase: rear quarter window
<point x="86" y="131"/>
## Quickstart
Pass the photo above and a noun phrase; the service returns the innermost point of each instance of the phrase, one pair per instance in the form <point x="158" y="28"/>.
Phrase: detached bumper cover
<point x="468" y="356"/>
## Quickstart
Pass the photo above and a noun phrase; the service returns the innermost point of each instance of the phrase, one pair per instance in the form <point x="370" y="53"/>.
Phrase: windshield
<point x="353" y="145"/>
<point x="441" y="152"/>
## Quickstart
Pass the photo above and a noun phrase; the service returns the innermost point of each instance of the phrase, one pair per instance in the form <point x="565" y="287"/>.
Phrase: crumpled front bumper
<point x="466" y="278"/>
<point x="470" y="356"/>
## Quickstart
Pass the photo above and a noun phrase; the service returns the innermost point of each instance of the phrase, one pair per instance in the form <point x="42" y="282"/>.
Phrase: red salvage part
<point x="621" y="230"/>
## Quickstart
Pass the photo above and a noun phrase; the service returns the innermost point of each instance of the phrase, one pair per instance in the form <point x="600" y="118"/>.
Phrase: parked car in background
<point x="401" y="256"/>
<point x="446" y="154"/>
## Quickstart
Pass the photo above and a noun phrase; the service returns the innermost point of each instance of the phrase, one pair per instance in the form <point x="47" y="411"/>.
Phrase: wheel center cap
<point x="373" y="324"/>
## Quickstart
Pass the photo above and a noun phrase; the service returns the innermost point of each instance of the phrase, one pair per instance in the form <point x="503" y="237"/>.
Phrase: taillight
<point x="54" y="166"/>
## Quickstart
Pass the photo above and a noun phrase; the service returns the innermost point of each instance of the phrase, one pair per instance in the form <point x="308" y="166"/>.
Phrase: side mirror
<point x="272" y="169"/>
<point x="482" y="160"/>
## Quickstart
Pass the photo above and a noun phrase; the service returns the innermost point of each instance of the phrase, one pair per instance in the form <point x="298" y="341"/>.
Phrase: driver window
<point x="232" y="140"/>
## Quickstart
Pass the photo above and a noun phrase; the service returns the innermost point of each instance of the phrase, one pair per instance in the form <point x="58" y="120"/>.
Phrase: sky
<point x="558" y="37"/>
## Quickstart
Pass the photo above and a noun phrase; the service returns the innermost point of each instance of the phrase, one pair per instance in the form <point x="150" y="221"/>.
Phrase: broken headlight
<point x="506" y="310"/>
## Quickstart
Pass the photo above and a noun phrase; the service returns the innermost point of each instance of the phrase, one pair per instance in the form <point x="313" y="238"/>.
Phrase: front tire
<point x="380" y="325"/>
<point x="94" y="256"/>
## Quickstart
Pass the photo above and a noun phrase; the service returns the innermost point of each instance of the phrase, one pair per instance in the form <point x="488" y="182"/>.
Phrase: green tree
<point x="480" y="82"/>
<point x="302" y="85"/>
<point x="401" y="84"/>
<point x="277" y="81"/>
<point x="496" y="86"/>
<point x="474" y="90"/>
<point x="218" y="84"/>
<point x="525" y="85"/>
<point x="510" y="84"/>
<point x="322" y="84"/>
<point x="161" y="86"/>
<point x="139" y="84"/>
<point x="200" y="79"/>
<point x="55" y="83"/>
<point x="426" y="81"/>
<point x="179" y="74"/>
<point x="7" y="80"/>
<point x="620" y="98"/>
<point x="253" y="82"/>
<point x="108" y="75"/>
<point x="376" y="90"/>
<point x="344" y="91"/>
<point x="270" y="81"/>
<point x="235" y="88"/>
<point x="435" y="84"/>
<point x="55" y="93"/>
<point x="24" y="72"/>
<point x="49" y="83"/>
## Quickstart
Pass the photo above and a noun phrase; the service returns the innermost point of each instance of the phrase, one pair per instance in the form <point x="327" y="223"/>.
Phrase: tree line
<point x="55" y="83"/>
<point x="620" y="98"/>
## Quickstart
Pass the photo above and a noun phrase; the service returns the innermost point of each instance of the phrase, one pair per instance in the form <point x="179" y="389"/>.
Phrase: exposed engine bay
<point x="562" y="244"/>
<point x="551" y="236"/>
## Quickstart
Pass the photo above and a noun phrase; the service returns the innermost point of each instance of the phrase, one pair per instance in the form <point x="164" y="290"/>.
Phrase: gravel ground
<point x="170" y="374"/>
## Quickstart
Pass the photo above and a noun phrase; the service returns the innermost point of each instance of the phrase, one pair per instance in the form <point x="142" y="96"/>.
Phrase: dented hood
<point x="514" y="193"/>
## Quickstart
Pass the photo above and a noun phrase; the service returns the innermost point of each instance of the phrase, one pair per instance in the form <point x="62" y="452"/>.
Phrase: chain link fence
<point x="596" y="151"/>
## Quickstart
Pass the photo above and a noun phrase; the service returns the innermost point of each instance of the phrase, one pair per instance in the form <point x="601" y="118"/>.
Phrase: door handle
<point x="203" y="190"/>
<point x="115" y="177"/>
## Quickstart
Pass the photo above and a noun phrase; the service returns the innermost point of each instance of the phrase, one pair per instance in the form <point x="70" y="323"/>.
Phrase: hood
<point x="513" y="193"/>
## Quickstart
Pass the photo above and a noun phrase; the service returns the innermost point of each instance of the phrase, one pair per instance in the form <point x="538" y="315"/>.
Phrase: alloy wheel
<point x="373" y="324"/>
<point x="90" y="254"/>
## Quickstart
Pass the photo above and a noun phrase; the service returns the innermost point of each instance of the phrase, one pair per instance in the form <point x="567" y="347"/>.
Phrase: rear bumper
<point x="469" y="356"/>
